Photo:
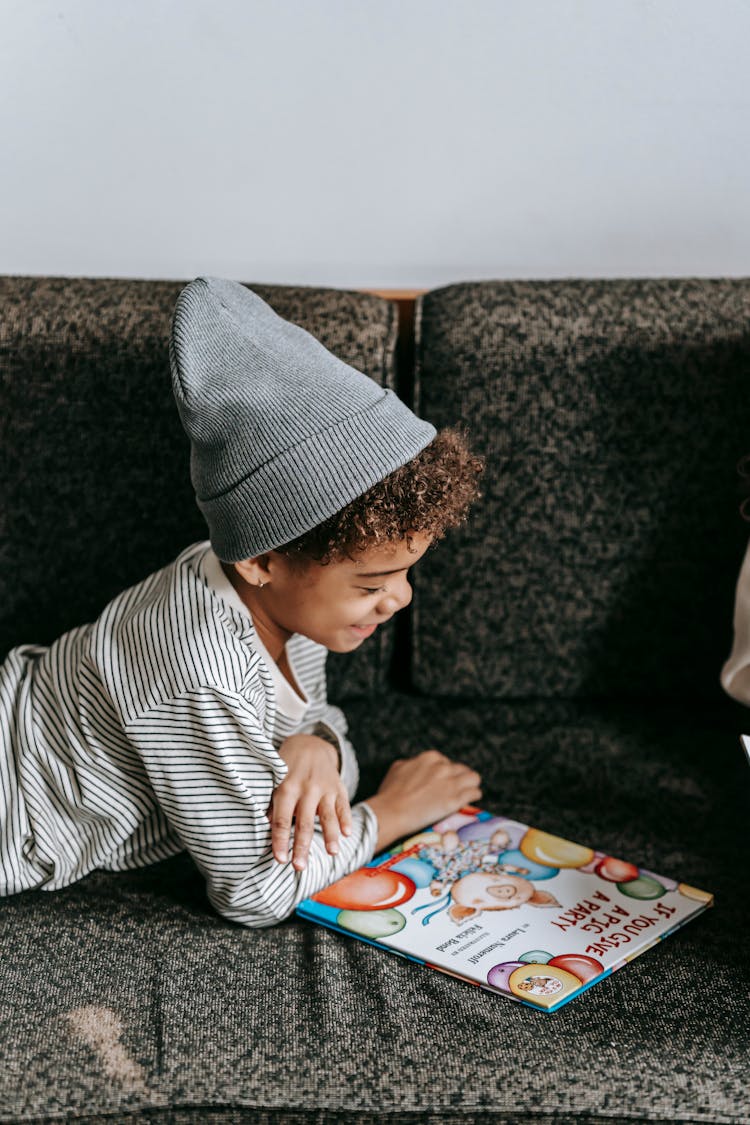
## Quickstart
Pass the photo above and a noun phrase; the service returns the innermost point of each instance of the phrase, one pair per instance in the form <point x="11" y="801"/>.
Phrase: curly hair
<point x="429" y="494"/>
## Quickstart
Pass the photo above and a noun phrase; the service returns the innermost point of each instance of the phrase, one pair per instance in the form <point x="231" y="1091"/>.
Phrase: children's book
<point x="507" y="907"/>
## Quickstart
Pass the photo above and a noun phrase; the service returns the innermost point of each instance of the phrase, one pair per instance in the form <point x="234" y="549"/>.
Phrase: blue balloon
<point x="531" y="869"/>
<point x="418" y="870"/>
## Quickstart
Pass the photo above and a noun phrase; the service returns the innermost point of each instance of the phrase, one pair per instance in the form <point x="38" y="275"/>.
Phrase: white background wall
<point x="375" y="142"/>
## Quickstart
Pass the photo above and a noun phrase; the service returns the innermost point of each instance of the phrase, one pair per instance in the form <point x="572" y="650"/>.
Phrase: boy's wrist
<point x="325" y="733"/>
<point x="390" y="825"/>
<point x="304" y="744"/>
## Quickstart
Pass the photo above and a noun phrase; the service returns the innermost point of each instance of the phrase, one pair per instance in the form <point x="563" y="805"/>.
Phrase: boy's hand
<point x="312" y="786"/>
<point x="419" y="791"/>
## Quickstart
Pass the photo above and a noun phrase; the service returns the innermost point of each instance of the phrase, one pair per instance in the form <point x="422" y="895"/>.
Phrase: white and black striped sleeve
<point x="213" y="769"/>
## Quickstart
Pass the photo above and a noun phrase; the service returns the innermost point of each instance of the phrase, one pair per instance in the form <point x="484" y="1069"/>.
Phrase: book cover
<point x="508" y="907"/>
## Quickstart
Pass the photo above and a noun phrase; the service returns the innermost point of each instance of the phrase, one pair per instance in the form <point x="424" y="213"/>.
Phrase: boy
<point x="192" y="713"/>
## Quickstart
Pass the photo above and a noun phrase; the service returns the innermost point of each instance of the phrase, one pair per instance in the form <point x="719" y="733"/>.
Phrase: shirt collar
<point x="291" y="703"/>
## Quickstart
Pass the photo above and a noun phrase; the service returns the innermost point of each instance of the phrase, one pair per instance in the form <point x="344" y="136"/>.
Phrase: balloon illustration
<point x="693" y="892"/>
<point x="538" y="981"/>
<point x="616" y="870"/>
<point x="420" y="838"/>
<point x="538" y="974"/>
<point x="581" y="966"/>
<point x="529" y="867"/>
<point x="419" y="871"/>
<point x="499" y="975"/>
<point x="370" y="888"/>
<point x="483" y="830"/>
<point x="590" y="867"/>
<point x="553" y="851"/>
<point x="644" y="887"/>
<point x="372" y="924"/>
<point x="536" y="957"/>
<point x="669" y="884"/>
<point x="453" y="822"/>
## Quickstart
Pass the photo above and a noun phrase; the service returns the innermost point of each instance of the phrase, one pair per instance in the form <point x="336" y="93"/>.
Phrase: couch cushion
<point x="124" y="996"/>
<point x="603" y="556"/>
<point x="95" y="487"/>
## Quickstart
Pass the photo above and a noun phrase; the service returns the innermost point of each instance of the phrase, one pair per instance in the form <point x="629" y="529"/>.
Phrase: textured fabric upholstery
<point x="125" y="992"/>
<point x="95" y="489"/>
<point x="603" y="557"/>
<point x="125" y="998"/>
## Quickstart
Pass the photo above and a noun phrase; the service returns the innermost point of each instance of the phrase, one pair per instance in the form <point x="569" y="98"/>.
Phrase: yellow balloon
<point x="543" y="985"/>
<point x="553" y="851"/>
<point x="421" y="838"/>
<point x="693" y="892"/>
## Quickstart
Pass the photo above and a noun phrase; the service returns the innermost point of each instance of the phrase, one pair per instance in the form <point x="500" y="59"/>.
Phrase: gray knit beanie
<point x="283" y="434"/>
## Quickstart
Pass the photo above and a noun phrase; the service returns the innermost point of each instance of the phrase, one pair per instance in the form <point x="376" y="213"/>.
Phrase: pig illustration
<point x="494" y="889"/>
<point x="472" y="878"/>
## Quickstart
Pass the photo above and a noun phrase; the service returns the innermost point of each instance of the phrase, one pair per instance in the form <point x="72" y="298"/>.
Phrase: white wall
<point x="375" y="142"/>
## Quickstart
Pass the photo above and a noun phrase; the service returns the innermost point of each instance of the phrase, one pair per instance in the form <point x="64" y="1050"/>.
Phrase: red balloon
<point x="616" y="870"/>
<point x="581" y="966"/>
<point x="370" y="888"/>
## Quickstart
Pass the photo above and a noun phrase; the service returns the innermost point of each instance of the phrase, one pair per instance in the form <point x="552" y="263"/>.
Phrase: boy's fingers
<point x="281" y="825"/>
<point x="344" y="813"/>
<point x="329" y="822"/>
<point x="280" y="830"/>
<point x="335" y="817"/>
<point x="304" y="820"/>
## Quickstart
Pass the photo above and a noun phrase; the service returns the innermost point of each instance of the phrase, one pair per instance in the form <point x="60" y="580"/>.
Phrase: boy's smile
<point x="338" y="605"/>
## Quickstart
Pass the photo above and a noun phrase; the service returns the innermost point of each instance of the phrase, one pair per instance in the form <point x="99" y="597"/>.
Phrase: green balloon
<point x="536" y="957"/>
<point x="371" y="923"/>
<point x="642" y="887"/>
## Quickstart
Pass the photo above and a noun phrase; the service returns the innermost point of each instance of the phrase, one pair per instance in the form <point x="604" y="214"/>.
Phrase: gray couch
<point x="567" y="643"/>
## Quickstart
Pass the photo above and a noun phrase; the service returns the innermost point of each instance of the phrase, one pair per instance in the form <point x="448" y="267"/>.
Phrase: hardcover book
<point x="507" y="907"/>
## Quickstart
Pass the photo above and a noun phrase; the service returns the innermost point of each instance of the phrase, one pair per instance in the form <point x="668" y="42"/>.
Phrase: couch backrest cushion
<point x="95" y="489"/>
<point x="603" y="556"/>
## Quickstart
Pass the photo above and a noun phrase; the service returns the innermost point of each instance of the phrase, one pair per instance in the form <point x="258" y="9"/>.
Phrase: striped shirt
<point x="156" y="729"/>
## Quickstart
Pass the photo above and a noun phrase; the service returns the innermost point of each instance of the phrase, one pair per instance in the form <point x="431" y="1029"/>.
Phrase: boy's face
<point x="338" y="605"/>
